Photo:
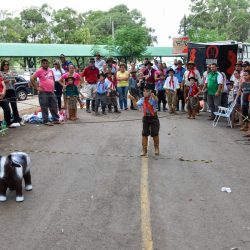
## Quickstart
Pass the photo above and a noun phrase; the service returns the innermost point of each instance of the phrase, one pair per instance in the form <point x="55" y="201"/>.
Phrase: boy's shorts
<point x="150" y="126"/>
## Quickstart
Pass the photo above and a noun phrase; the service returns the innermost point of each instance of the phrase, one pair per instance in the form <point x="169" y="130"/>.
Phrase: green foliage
<point x="35" y="24"/>
<point x="213" y="20"/>
<point x="131" y="41"/>
<point x="11" y="30"/>
<point x="118" y="28"/>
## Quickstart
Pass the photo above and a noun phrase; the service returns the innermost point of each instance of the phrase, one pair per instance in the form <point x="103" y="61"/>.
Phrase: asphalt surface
<point x="87" y="186"/>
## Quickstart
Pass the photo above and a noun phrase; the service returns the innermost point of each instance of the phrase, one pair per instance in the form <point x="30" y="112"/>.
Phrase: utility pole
<point x="185" y="25"/>
<point x="113" y="30"/>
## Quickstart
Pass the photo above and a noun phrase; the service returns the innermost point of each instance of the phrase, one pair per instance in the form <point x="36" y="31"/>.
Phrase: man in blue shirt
<point x="101" y="94"/>
<point x="65" y="63"/>
<point x="179" y="73"/>
<point x="150" y="122"/>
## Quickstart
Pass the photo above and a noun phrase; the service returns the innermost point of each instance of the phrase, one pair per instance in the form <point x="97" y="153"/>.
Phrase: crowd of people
<point x="109" y="85"/>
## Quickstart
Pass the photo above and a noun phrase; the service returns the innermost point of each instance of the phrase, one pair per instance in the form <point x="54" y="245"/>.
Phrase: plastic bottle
<point x="3" y="128"/>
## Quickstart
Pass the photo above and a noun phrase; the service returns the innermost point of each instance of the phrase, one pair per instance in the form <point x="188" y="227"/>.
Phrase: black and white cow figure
<point x="13" y="168"/>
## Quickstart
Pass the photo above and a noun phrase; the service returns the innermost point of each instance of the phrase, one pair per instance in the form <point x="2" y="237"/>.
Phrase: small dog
<point x="13" y="168"/>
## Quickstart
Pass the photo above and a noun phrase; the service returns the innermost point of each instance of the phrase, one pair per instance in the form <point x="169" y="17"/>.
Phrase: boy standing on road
<point x="150" y="122"/>
<point x="160" y="92"/>
<point x="193" y="98"/>
<point x="72" y="96"/>
<point x="171" y="85"/>
<point x="101" y="94"/>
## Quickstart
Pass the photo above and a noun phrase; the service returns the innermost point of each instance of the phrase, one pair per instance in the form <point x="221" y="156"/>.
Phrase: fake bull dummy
<point x="13" y="169"/>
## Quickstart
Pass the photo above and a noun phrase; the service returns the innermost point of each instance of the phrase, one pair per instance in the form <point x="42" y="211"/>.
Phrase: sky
<point x="162" y="15"/>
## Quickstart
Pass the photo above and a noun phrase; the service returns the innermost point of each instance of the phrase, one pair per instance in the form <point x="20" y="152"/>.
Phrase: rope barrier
<point x="104" y="155"/>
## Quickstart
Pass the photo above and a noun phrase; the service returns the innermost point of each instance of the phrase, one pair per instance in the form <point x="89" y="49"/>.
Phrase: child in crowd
<point x="150" y="122"/>
<point x="171" y="85"/>
<point x="72" y="96"/>
<point x="101" y="94"/>
<point x="230" y="87"/>
<point x="133" y="89"/>
<point x="244" y="90"/>
<point x="193" y="98"/>
<point x="141" y="83"/>
<point x="160" y="92"/>
<point x="112" y="92"/>
<point x="237" y="109"/>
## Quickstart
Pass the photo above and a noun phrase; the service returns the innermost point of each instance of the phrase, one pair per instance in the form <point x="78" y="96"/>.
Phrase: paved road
<point x="91" y="190"/>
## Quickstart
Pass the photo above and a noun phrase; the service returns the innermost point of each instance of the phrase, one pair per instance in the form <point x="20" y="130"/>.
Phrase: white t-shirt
<point x="58" y="73"/>
<point x="99" y="64"/>
<point x="188" y="74"/>
<point x="171" y="85"/>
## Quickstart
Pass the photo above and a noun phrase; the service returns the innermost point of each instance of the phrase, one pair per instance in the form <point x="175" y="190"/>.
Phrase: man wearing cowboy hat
<point x="179" y="73"/>
<point x="191" y="72"/>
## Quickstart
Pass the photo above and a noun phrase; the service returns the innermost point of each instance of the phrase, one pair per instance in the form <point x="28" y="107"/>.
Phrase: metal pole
<point x="113" y="30"/>
<point x="185" y="25"/>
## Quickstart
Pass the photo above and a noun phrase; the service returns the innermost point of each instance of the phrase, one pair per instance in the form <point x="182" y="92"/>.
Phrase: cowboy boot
<point x="156" y="144"/>
<point x="144" y="146"/>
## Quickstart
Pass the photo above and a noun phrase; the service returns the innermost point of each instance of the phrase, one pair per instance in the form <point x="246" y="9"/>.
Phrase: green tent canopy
<point x="70" y="50"/>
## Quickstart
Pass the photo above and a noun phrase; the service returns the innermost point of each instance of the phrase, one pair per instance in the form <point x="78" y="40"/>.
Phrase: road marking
<point x="147" y="241"/>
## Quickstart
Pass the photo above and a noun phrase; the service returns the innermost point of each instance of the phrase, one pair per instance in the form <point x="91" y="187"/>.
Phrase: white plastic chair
<point x="224" y="112"/>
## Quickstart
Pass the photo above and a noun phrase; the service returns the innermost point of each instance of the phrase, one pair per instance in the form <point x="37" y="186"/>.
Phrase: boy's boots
<point x="156" y="144"/>
<point x="144" y="146"/>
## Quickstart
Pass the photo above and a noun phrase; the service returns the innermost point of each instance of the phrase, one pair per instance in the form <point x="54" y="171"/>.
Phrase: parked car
<point x="22" y="88"/>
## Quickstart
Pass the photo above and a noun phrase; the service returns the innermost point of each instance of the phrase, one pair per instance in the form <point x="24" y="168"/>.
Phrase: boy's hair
<point x="147" y="87"/>
<point x="102" y="74"/>
<point x="70" y="77"/>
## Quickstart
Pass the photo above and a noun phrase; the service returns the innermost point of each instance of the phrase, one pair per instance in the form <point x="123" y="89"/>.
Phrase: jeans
<point x="11" y="96"/>
<point x="123" y="92"/>
<point x="6" y="110"/>
<point x="213" y="103"/>
<point x="47" y="100"/>
<point x="58" y="93"/>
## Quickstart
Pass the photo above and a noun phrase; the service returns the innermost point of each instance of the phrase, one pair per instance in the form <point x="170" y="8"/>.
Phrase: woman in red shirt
<point x="193" y="98"/>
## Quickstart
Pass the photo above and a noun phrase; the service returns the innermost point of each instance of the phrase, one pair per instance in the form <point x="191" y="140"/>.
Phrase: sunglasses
<point x="7" y="64"/>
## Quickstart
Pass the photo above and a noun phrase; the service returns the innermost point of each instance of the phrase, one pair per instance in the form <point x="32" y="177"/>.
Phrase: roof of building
<point x="70" y="50"/>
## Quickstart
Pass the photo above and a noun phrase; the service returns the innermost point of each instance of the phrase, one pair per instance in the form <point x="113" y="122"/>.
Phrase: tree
<point x="35" y="21"/>
<point x="212" y="20"/>
<point x="131" y="41"/>
<point x="11" y="30"/>
<point x="65" y="25"/>
<point x="100" y="23"/>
